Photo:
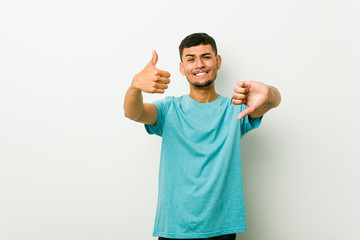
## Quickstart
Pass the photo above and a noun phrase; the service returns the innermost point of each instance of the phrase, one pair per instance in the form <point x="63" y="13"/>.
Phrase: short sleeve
<point x="162" y="106"/>
<point x="247" y="123"/>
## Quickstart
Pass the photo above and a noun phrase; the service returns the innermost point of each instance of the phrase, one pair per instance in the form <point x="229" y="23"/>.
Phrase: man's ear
<point x="181" y="67"/>
<point x="218" y="61"/>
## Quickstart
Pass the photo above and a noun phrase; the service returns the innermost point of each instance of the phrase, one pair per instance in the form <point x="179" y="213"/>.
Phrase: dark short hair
<point x="197" y="39"/>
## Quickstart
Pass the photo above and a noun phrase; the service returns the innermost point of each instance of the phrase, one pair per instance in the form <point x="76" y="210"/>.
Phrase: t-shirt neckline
<point x="199" y="103"/>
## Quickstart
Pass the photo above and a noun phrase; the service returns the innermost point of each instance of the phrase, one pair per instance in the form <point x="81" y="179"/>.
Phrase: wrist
<point x="134" y="86"/>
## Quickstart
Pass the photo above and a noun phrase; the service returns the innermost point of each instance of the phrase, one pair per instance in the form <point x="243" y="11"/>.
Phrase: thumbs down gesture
<point x="258" y="97"/>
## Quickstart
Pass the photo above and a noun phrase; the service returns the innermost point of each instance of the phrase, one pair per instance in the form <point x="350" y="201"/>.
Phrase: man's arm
<point x="258" y="97"/>
<point x="150" y="80"/>
<point x="138" y="111"/>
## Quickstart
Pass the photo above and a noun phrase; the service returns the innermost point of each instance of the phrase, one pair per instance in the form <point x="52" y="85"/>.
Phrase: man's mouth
<point x="201" y="73"/>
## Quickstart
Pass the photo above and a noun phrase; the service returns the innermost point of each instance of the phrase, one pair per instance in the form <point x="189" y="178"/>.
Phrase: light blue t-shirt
<point x="200" y="179"/>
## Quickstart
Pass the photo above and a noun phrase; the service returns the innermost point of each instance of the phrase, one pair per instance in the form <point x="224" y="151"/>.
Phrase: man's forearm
<point x="133" y="104"/>
<point x="273" y="101"/>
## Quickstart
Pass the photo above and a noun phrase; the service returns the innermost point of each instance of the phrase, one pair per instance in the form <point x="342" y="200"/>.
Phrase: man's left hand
<point x="258" y="97"/>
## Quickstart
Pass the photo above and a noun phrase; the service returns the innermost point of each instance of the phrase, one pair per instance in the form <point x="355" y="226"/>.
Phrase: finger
<point x="163" y="73"/>
<point x="154" y="58"/>
<point x="242" y="84"/>
<point x="241" y="90"/>
<point x="238" y="102"/>
<point x="163" y="80"/>
<point x="244" y="113"/>
<point x="247" y="83"/>
<point x="239" y="96"/>
<point x="156" y="90"/>
<point x="161" y="86"/>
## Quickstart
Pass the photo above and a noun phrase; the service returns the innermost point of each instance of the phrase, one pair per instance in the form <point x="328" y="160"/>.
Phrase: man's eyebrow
<point x="193" y="55"/>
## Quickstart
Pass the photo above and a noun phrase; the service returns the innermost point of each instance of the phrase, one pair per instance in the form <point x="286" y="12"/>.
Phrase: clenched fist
<point x="151" y="79"/>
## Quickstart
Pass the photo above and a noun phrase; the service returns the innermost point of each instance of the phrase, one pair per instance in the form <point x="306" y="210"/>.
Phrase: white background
<point x="73" y="167"/>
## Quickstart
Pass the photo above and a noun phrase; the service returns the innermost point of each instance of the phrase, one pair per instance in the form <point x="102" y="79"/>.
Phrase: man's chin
<point x="203" y="84"/>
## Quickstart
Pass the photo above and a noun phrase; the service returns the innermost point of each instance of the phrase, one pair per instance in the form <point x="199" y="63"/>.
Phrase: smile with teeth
<point x="201" y="73"/>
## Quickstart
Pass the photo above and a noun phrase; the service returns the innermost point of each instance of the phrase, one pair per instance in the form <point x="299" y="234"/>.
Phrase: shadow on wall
<point x="258" y="162"/>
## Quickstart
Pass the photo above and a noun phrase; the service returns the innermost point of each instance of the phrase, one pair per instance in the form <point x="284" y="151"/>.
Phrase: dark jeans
<point x="223" y="237"/>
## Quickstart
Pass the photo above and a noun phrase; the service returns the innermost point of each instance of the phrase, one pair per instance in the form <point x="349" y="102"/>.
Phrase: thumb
<point x="244" y="113"/>
<point x="154" y="58"/>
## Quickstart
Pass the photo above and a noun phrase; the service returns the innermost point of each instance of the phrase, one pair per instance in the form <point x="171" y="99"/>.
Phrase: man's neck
<point x="203" y="95"/>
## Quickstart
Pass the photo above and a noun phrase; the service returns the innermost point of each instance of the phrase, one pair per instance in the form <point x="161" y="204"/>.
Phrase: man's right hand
<point x="151" y="79"/>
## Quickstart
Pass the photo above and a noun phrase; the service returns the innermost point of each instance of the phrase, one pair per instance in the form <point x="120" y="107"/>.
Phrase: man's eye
<point x="190" y="59"/>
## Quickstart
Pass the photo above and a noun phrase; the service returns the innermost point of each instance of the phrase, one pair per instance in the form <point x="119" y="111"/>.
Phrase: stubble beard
<point x="204" y="84"/>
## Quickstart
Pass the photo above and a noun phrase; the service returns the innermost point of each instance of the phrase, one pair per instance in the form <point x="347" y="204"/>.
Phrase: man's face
<point x="199" y="65"/>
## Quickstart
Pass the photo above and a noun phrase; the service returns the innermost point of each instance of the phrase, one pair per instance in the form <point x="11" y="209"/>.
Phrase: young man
<point x="200" y="181"/>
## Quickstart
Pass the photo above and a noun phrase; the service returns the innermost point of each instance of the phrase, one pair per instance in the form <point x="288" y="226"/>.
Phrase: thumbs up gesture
<point x="151" y="79"/>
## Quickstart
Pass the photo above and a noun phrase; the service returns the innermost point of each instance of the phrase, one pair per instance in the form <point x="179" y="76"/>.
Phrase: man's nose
<point x="200" y="63"/>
